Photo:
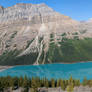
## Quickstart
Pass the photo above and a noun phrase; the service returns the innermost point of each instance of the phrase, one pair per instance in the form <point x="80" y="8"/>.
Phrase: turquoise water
<point x="64" y="71"/>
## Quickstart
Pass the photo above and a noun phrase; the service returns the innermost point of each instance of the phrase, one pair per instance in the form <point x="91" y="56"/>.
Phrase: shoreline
<point x="2" y="68"/>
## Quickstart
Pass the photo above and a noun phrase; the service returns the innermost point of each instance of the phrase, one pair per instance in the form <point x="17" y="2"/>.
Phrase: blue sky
<point x="76" y="9"/>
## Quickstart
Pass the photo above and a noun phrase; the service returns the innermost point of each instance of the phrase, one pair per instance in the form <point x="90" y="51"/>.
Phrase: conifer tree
<point x="62" y="83"/>
<point x="70" y="88"/>
<point x="90" y="83"/>
<point x="41" y="81"/>
<point x="66" y="83"/>
<point x="33" y="85"/>
<point x="52" y="83"/>
<point x="47" y="84"/>
<point x="1" y="87"/>
<point x="70" y="80"/>
<point x="44" y="82"/>
<point x="58" y="83"/>
<point x="25" y="82"/>
<point x="14" y="83"/>
<point x="85" y="81"/>
<point x="20" y="82"/>
<point x="37" y="79"/>
<point x="77" y="83"/>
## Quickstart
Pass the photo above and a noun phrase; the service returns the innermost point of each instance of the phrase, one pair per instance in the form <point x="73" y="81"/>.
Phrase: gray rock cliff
<point x="29" y="28"/>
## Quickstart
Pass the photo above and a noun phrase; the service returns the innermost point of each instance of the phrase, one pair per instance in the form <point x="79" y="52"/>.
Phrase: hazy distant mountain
<point x="36" y="34"/>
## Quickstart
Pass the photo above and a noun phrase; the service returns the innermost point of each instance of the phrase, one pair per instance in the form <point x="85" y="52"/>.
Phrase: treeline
<point x="34" y="83"/>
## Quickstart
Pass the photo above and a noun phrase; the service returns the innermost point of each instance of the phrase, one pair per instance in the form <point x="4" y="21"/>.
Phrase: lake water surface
<point x="64" y="71"/>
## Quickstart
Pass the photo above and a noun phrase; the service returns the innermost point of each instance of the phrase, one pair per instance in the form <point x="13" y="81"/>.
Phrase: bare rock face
<point x="30" y="28"/>
<point x="24" y="22"/>
<point x="1" y="11"/>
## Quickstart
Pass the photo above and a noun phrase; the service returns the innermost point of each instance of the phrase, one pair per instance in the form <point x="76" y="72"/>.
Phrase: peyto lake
<point x="64" y="71"/>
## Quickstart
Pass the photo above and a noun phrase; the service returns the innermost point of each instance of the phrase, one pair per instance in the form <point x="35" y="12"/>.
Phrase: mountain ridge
<point x="35" y="31"/>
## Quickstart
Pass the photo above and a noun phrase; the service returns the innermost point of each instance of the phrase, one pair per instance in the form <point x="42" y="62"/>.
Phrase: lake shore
<point x="75" y="89"/>
<point x="7" y="66"/>
<point x="2" y="68"/>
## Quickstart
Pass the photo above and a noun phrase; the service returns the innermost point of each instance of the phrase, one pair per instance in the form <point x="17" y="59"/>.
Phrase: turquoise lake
<point x="64" y="71"/>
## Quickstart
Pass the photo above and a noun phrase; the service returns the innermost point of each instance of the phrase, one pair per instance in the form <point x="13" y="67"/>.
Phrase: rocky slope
<point x="76" y="89"/>
<point x="36" y="34"/>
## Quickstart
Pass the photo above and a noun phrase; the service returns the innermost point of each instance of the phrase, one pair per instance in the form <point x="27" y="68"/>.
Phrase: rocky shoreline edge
<point x="76" y="89"/>
<point x="2" y="68"/>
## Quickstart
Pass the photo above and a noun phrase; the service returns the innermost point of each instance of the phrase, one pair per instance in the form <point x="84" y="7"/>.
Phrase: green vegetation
<point x="70" y="88"/>
<point x="29" y="42"/>
<point x="51" y="37"/>
<point x="40" y="39"/>
<point x="70" y="50"/>
<point x="52" y="83"/>
<point x="66" y="51"/>
<point x="83" y="31"/>
<point x="76" y="33"/>
<point x="64" y="34"/>
<point x="7" y="57"/>
<point x="13" y="35"/>
<point x="12" y="58"/>
<point x="85" y="82"/>
<point x="35" y="82"/>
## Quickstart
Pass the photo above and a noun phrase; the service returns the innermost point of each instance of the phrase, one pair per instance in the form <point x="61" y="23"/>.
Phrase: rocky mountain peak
<point x="1" y="7"/>
<point x="22" y="5"/>
<point x="25" y="11"/>
<point x="90" y="20"/>
<point x="1" y="10"/>
<point x="36" y="29"/>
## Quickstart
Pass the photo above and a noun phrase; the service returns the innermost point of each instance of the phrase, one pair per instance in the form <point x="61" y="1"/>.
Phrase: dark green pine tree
<point x="33" y="85"/>
<point x="14" y="83"/>
<point x="26" y="84"/>
<point x="20" y="82"/>
<point x="47" y="83"/>
<point x="1" y="87"/>
<point x="44" y="82"/>
<point x="38" y="82"/>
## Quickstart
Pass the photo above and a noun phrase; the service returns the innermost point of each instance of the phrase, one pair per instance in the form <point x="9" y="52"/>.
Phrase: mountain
<point x="36" y="34"/>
